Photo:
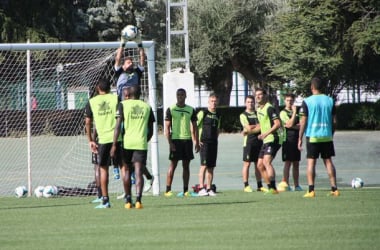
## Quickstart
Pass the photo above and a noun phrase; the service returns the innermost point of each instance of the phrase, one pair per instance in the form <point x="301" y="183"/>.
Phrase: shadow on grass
<point x="205" y="203"/>
<point x="42" y="206"/>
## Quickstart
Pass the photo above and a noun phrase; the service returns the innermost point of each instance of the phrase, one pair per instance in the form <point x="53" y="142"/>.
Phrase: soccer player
<point x="180" y="131"/>
<point x="137" y="117"/>
<point x="251" y="144"/>
<point x="291" y="155"/>
<point x="101" y="109"/>
<point x="317" y="123"/>
<point x="208" y="122"/>
<point x="269" y="127"/>
<point x="127" y="74"/>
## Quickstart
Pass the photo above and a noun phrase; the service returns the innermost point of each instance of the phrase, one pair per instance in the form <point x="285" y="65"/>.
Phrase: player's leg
<point x="310" y="173"/>
<point x="104" y="162"/>
<point x="201" y="179"/>
<point x="126" y="157"/>
<point x="210" y="163"/>
<point x="245" y="175"/>
<point x="202" y="170"/>
<point x="258" y="176"/>
<point x="246" y="165"/>
<point x="296" y="175"/>
<point x="97" y="178"/>
<point x="169" y="177"/>
<point x="186" y="175"/>
<point x="139" y="183"/>
<point x="210" y="179"/>
<point x="312" y="154"/>
<point x="328" y="151"/>
<point x="267" y="162"/>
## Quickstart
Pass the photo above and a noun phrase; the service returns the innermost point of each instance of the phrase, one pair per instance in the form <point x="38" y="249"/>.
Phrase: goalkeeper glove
<point x="122" y="41"/>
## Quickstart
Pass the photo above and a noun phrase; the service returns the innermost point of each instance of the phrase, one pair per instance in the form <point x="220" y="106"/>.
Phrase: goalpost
<point x="44" y="88"/>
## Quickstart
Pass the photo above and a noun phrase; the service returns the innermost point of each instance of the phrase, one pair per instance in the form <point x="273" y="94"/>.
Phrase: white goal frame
<point x="149" y="49"/>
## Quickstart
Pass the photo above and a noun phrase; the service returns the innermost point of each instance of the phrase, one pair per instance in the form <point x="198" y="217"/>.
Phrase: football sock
<point x="185" y="189"/>
<point x="168" y="188"/>
<point x="334" y="189"/>
<point x="138" y="198"/>
<point x="105" y="200"/>
<point x="311" y="188"/>
<point x="99" y="192"/>
<point x="246" y="183"/>
<point x="128" y="199"/>
<point x="273" y="184"/>
<point x="259" y="184"/>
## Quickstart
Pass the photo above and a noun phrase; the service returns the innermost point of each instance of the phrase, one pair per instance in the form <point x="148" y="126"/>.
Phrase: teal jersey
<point x="319" y="110"/>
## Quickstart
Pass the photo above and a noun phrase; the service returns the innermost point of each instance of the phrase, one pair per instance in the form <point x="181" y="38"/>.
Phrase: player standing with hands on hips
<point x="317" y="124"/>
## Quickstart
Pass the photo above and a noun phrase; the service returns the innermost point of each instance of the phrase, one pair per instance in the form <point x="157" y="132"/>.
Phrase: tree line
<point x="272" y="43"/>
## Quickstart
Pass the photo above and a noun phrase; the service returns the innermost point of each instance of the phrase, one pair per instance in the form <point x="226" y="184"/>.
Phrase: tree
<point x="323" y="38"/>
<point x="42" y="21"/>
<point x="225" y="36"/>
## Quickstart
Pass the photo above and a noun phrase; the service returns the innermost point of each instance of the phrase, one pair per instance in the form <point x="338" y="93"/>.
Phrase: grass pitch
<point x="231" y="220"/>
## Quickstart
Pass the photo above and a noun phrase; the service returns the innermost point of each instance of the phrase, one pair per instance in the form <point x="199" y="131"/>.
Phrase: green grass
<point x="231" y="220"/>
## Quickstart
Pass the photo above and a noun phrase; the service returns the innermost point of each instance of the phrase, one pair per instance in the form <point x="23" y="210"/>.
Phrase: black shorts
<point x="270" y="148"/>
<point x="134" y="155"/>
<point x="208" y="154"/>
<point x="251" y="152"/>
<point x="324" y="149"/>
<point x="290" y="151"/>
<point x="104" y="158"/>
<point x="184" y="150"/>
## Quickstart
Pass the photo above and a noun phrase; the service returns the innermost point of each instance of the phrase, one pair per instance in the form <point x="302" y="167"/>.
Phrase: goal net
<point x="44" y="89"/>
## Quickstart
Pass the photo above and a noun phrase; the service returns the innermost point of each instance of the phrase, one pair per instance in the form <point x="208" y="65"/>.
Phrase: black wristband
<point x="139" y="45"/>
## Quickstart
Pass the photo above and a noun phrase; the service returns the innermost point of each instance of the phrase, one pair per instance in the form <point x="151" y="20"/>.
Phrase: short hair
<point x="317" y="83"/>
<point x="213" y="94"/>
<point x="262" y="90"/>
<point x="133" y="91"/>
<point x="181" y="90"/>
<point x="249" y="97"/>
<point x="128" y="58"/>
<point x="104" y="85"/>
<point x="291" y="95"/>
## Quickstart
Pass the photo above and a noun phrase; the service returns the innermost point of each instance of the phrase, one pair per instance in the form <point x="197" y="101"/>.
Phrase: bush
<point x="358" y="116"/>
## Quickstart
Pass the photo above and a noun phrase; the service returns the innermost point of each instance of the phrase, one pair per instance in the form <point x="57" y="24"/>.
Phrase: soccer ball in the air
<point x="49" y="191"/>
<point x="21" y="191"/>
<point x="357" y="183"/>
<point x="39" y="191"/>
<point x="129" y="32"/>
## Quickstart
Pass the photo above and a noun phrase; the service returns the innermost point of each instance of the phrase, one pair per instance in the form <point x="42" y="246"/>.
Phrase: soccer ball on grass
<point x="50" y="191"/>
<point x="21" y="191"/>
<point x="357" y="183"/>
<point x="129" y="32"/>
<point x="39" y="191"/>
